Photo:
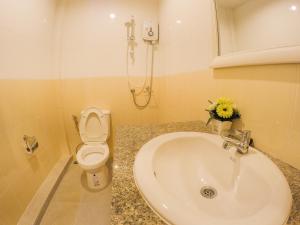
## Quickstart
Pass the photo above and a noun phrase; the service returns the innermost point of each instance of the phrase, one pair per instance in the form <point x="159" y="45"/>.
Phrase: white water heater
<point x="150" y="31"/>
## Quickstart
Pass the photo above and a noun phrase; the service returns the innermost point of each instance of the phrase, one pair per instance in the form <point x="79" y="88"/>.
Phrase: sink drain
<point x="208" y="192"/>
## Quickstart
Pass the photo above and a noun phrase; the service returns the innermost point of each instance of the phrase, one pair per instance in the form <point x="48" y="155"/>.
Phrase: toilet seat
<point x="91" y="157"/>
<point x="96" y="134"/>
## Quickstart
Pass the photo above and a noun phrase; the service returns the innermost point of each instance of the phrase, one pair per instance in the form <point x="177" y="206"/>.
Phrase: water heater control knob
<point x="150" y="31"/>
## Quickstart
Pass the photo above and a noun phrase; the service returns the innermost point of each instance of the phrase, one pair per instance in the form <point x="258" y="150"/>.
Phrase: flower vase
<point x="221" y="127"/>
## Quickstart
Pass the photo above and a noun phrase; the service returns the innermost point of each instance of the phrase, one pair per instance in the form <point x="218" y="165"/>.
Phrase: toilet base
<point x="97" y="179"/>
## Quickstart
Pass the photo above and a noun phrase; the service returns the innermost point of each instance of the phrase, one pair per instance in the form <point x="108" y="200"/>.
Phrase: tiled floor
<point x="74" y="204"/>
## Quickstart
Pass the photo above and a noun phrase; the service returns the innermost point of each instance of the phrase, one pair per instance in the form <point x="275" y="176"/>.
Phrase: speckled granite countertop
<point x="128" y="207"/>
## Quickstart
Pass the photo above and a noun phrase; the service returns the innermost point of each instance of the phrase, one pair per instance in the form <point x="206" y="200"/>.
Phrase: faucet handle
<point x="241" y="135"/>
<point x="241" y="140"/>
<point x="242" y="131"/>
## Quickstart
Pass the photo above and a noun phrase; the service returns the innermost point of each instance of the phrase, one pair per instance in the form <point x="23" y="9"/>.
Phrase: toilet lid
<point x="93" y="127"/>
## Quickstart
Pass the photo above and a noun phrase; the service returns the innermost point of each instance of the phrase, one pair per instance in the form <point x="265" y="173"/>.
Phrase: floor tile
<point x="74" y="204"/>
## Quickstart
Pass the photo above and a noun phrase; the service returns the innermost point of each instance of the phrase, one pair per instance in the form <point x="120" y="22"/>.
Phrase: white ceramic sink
<point x="171" y="170"/>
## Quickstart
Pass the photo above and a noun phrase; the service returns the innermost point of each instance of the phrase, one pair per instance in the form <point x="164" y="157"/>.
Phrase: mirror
<point x="253" y="26"/>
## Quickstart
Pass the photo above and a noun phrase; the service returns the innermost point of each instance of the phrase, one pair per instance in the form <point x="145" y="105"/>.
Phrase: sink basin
<point x="187" y="178"/>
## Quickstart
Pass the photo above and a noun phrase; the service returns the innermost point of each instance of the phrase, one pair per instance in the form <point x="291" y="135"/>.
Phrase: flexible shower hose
<point x="144" y="86"/>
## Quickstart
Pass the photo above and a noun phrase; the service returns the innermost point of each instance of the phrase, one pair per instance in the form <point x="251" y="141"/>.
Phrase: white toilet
<point x="94" y="129"/>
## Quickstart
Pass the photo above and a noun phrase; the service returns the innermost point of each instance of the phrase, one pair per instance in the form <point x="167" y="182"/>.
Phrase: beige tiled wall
<point x="29" y="102"/>
<point x="27" y="107"/>
<point x="183" y="97"/>
<point x="93" y="44"/>
<point x="268" y="97"/>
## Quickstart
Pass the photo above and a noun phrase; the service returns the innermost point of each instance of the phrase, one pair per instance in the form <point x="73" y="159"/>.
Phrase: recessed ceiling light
<point x="112" y="16"/>
<point x="178" y="21"/>
<point x="293" y="8"/>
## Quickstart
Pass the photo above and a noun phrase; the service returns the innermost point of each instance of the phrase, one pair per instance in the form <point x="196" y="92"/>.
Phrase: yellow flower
<point x="224" y="100"/>
<point x="225" y="111"/>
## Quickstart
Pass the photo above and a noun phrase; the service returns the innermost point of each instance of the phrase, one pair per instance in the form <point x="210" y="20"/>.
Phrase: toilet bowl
<point x="94" y="153"/>
<point x="92" y="157"/>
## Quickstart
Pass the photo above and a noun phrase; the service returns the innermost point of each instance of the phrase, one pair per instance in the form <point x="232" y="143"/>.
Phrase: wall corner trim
<point x="40" y="201"/>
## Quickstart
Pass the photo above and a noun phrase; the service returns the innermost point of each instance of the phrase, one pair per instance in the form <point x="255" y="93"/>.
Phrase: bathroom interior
<point x="150" y="112"/>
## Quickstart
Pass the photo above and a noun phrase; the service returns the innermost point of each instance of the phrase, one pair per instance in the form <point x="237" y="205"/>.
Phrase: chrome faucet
<point x="241" y="141"/>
